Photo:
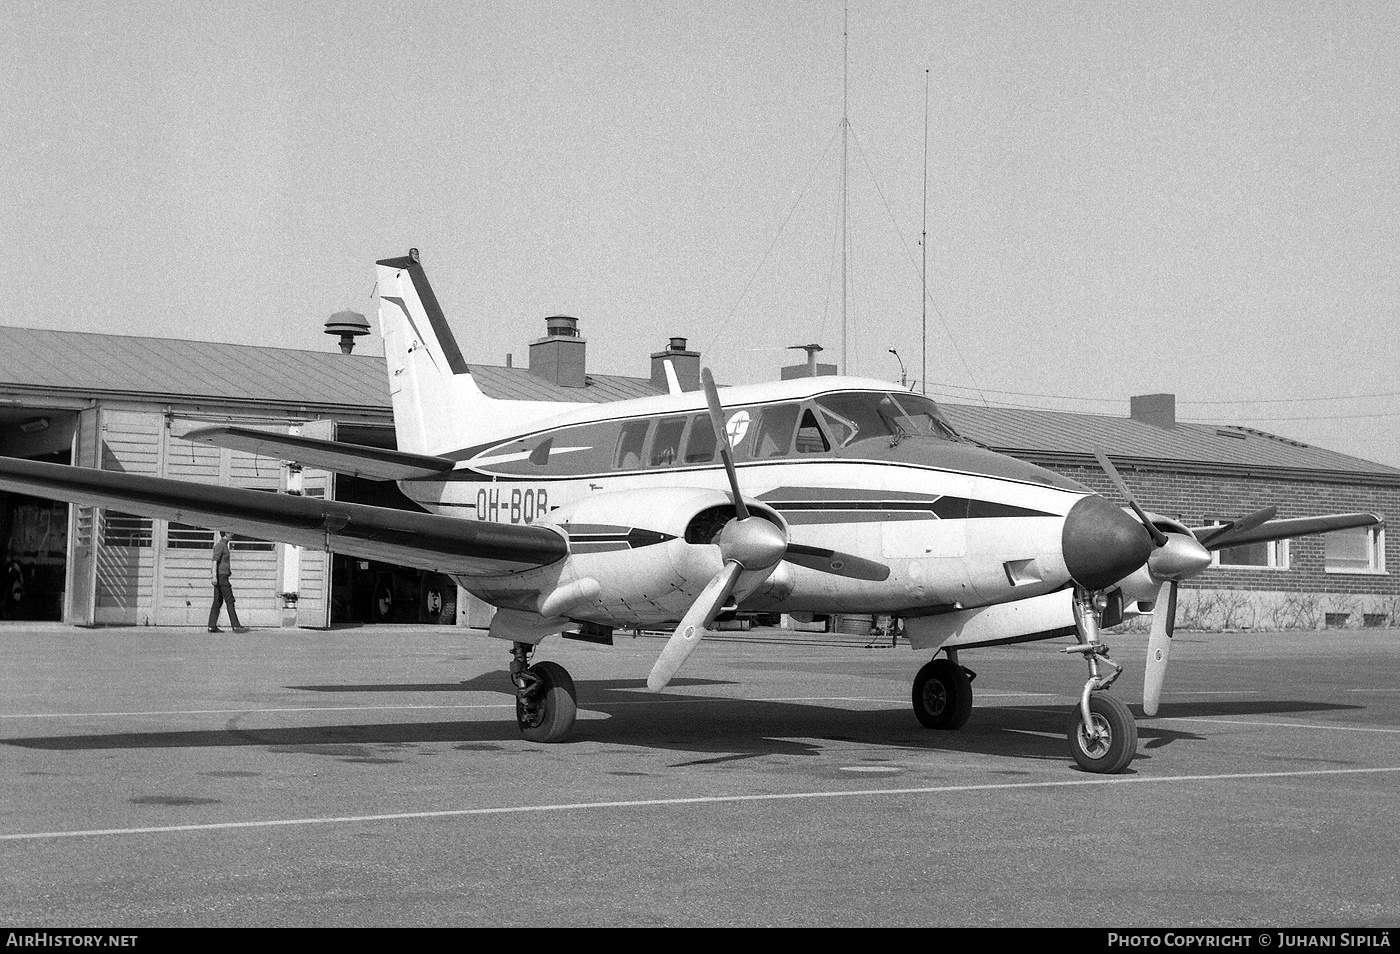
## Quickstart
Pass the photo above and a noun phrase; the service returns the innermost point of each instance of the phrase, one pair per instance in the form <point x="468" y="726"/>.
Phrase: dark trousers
<point x="223" y="593"/>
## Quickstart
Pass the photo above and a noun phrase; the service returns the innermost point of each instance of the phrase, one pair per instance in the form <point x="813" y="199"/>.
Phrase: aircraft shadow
<point x="710" y="729"/>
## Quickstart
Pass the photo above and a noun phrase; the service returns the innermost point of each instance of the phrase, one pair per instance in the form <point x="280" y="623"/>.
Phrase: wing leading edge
<point x="1231" y="535"/>
<point x="353" y="459"/>
<point x="429" y="541"/>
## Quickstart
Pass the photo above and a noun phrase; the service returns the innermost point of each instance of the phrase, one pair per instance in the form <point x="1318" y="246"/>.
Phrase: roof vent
<point x="811" y="369"/>
<point x="561" y="326"/>
<point x="349" y="325"/>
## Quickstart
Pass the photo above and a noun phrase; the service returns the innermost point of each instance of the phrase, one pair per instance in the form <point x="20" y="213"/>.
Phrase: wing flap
<point x="356" y="460"/>
<point x="430" y="541"/>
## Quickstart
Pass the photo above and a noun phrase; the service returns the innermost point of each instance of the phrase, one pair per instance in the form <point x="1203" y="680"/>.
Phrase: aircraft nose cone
<point x="1102" y="543"/>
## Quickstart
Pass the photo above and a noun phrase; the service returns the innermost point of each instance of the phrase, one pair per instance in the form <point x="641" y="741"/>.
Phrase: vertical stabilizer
<point x="430" y="385"/>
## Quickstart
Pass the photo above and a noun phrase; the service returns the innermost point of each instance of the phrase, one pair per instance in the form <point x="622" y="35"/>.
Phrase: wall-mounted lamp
<point x="35" y="425"/>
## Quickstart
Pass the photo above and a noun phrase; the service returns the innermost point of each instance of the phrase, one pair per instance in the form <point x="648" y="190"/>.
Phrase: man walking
<point x="220" y="573"/>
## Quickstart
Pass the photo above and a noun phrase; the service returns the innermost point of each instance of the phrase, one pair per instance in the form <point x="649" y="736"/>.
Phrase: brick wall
<point x="1300" y="596"/>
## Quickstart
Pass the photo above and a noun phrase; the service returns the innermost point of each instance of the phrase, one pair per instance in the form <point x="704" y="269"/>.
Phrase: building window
<point x="1270" y="555"/>
<point x="1358" y="550"/>
<point x="126" y="530"/>
<point x="180" y="536"/>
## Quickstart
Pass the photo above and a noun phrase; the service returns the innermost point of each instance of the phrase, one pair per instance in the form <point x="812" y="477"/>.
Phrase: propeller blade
<point x="693" y="626"/>
<point x="1242" y="525"/>
<point x="722" y="439"/>
<point x="837" y="563"/>
<point x="1159" y="647"/>
<point x="1158" y="537"/>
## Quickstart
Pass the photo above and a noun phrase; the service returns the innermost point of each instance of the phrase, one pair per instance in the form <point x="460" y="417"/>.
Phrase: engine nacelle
<point x="645" y="555"/>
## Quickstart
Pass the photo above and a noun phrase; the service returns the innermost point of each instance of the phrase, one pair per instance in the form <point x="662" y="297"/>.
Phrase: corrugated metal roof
<point x="522" y="385"/>
<point x="1031" y="432"/>
<point x="99" y="364"/>
<point x="84" y="364"/>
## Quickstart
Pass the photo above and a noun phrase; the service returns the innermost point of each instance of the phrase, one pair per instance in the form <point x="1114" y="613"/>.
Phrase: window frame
<point x="1375" y="539"/>
<point x="1280" y="554"/>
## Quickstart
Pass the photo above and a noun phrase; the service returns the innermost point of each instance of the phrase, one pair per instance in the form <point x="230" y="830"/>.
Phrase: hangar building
<point x="123" y="402"/>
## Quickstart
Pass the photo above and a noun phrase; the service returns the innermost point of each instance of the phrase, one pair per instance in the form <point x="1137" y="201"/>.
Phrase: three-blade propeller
<point x="1176" y="557"/>
<point x="747" y="544"/>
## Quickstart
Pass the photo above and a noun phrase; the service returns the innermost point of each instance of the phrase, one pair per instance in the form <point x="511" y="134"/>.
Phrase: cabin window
<point x="700" y="442"/>
<point x="917" y="416"/>
<point x="775" y="427"/>
<point x="666" y="445"/>
<point x="861" y="415"/>
<point x="810" y="439"/>
<point x="841" y="430"/>
<point x="630" y="444"/>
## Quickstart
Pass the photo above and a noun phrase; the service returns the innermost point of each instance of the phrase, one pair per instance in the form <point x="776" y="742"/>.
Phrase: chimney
<point x="558" y="357"/>
<point x="1155" y="409"/>
<point x="686" y="364"/>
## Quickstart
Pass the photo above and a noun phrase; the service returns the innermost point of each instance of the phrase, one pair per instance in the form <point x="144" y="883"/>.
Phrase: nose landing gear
<point x="1102" y="731"/>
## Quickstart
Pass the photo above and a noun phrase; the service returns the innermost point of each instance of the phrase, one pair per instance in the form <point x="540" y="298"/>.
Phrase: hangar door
<point x="156" y="572"/>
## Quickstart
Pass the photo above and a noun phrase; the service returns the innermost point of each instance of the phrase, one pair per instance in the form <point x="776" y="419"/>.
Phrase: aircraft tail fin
<point x="430" y="385"/>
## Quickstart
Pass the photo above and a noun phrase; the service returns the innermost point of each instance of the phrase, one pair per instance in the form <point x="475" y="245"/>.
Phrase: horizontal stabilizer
<point x="428" y="541"/>
<point x="1218" y="538"/>
<point x="357" y="460"/>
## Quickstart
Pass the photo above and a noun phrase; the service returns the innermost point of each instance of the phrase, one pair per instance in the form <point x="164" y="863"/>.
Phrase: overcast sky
<point x="1123" y="198"/>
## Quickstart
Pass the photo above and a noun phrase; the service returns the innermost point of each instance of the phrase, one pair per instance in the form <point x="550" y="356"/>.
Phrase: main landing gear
<point x="943" y="694"/>
<point x="545" y="701"/>
<point x="1102" y="731"/>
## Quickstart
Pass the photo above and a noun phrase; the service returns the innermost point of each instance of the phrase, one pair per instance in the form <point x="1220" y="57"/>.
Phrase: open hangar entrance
<point x="34" y="530"/>
<point x="368" y="591"/>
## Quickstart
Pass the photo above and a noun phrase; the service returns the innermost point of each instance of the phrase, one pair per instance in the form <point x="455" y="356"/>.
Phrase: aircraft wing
<point x="1220" y="537"/>
<point x="356" y="460"/>
<point x="429" y="541"/>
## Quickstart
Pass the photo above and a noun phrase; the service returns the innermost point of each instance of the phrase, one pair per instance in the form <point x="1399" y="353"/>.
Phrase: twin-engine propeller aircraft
<point x="816" y="496"/>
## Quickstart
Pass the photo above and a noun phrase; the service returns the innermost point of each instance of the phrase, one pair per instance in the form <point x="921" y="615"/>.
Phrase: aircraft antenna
<point x="923" y="245"/>
<point x="845" y="134"/>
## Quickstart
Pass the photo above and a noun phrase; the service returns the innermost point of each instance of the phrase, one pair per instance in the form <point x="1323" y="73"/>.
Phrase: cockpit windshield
<point x="894" y="416"/>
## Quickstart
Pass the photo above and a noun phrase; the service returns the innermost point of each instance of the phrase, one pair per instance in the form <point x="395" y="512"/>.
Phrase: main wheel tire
<point x="942" y="696"/>
<point x="554" y="718"/>
<point x="12" y="604"/>
<point x="1116" y="747"/>
<point x="382" y="608"/>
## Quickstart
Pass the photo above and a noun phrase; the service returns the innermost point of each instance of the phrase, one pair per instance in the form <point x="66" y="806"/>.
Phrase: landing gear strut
<point x="545" y="700"/>
<point x="1102" y="732"/>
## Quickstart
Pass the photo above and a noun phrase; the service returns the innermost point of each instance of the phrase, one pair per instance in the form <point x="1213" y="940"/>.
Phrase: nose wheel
<point x="1102" y="731"/>
<point x="1108" y="742"/>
